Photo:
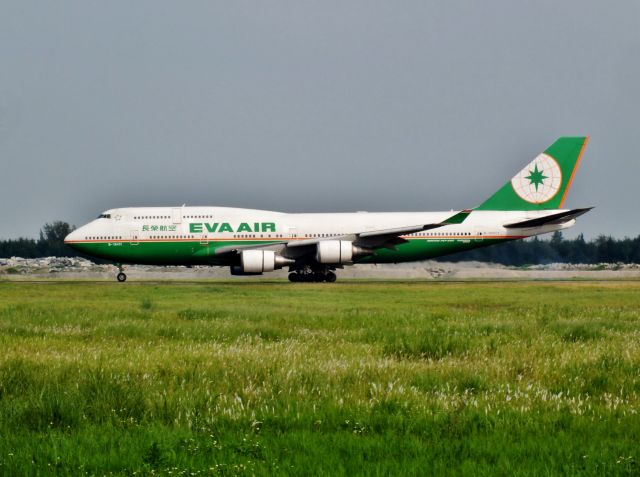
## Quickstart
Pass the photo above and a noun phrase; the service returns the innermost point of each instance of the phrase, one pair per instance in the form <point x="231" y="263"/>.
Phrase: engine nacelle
<point x="237" y="270"/>
<point x="336" y="251"/>
<point x="254" y="262"/>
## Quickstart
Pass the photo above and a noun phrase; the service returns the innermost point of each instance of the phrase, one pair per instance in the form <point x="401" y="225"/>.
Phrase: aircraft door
<point x="134" y="237"/>
<point x="176" y="215"/>
<point x="204" y="246"/>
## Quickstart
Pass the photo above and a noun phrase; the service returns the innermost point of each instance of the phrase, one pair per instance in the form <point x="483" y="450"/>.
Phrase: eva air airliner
<point x="313" y="246"/>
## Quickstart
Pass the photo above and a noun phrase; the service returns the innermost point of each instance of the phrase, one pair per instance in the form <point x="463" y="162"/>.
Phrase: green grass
<point x="375" y="378"/>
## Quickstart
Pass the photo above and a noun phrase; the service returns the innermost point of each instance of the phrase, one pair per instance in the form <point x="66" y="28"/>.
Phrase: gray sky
<point x="311" y="106"/>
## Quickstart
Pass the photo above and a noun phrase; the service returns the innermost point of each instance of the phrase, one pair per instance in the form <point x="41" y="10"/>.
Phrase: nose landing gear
<point x="121" y="277"/>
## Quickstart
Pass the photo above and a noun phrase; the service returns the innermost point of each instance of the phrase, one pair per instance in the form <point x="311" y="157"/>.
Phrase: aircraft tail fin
<point x="544" y="182"/>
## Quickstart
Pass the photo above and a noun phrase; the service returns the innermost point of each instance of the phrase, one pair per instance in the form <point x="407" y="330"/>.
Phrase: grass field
<point x="375" y="378"/>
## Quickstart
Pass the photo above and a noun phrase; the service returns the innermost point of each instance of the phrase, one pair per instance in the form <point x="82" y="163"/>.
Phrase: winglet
<point x="457" y="218"/>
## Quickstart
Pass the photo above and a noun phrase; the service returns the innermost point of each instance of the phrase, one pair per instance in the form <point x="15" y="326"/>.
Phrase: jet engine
<point x="337" y="251"/>
<point x="255" y="262"/>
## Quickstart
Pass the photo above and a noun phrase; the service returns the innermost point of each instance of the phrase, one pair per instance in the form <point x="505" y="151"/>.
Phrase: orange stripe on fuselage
<point x="289" y="239"/>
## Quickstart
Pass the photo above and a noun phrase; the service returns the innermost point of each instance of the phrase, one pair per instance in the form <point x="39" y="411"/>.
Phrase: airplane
<point x="314" y="245"/>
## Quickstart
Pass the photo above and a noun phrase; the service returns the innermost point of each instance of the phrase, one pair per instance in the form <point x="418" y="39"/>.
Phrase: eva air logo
<point x="539" y="181"/>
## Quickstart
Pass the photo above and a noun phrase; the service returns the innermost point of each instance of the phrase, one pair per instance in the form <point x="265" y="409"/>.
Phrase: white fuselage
<point x="183" y="223"/>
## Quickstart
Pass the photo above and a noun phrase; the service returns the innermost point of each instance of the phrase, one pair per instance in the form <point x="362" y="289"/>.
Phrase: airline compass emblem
<point x="539" y="181"/>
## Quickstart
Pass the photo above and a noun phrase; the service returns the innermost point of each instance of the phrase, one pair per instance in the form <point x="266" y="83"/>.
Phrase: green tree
<point x="21" y="247"/>
<point x="51" y="242"/>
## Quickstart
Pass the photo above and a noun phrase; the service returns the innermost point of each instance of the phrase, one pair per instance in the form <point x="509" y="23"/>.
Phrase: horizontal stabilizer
<point x="553" y="219"/>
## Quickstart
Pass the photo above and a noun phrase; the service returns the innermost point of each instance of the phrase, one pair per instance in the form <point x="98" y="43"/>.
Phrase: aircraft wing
<point x="553" y="219"/>
<point x="383" y="237"/>
<point x="368" y="239"/>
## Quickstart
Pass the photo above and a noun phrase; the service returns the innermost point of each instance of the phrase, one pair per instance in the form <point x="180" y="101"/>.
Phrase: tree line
<point x="603" y="249"/>
<point x="557" y="249"/>
<point x="49" y="244"/>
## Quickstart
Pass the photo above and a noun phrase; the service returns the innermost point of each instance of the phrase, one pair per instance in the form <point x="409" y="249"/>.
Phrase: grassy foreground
<point x="376" y="378"/>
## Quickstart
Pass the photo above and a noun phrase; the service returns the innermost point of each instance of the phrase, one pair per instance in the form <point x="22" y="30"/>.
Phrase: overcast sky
<point x="312" y="106"/>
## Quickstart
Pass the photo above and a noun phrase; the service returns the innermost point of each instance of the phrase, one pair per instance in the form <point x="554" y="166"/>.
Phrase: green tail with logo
<point x="544" y="182"/>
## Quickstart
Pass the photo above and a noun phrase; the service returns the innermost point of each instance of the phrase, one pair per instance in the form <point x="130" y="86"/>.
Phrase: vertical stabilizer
<point x="544" y="182"/>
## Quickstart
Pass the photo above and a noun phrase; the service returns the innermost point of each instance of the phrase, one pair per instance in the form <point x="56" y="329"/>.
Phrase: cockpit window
<point x="104" y="216"/>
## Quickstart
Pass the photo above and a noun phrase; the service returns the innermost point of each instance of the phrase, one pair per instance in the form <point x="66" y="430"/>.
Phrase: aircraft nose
<point x="72" y="238"/>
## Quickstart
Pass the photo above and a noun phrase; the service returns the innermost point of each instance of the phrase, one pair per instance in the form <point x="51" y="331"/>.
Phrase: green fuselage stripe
<point x="196" y="252"/>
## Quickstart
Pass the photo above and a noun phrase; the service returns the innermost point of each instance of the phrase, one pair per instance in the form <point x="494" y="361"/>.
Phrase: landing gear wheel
<point x="294" y="277"/>
<point x="318" y="277"/>
<point x="121" y="277"/>
<point x="330" y="277"/>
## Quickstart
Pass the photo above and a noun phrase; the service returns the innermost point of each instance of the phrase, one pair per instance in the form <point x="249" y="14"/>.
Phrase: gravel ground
<point x="16" y="268"/>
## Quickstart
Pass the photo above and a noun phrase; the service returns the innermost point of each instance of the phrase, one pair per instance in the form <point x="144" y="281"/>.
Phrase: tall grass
<point x="255" y="378"/>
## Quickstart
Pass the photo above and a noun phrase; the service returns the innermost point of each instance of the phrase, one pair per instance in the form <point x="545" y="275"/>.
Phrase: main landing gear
<point x="311" y="276"/>
<point x="121" y="277"/>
